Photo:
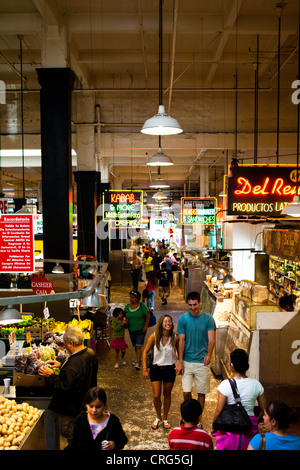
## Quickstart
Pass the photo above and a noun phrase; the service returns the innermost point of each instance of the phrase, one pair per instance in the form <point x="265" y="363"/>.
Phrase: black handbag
<point x="145" y="293"/>
<point x="152" y="320"/>
<point x="233" y="418"/>
<point x="150" y="355"/>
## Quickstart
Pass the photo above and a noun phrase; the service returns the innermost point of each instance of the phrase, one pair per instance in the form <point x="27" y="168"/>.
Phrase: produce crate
<point x="26" y="380"/>
<point x="36" y="332"/>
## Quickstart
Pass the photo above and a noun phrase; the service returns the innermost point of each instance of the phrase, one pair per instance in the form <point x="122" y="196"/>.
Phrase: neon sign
<point x="123" y="208"/>
<point x="261" y="190"/>
<point x="198" y="211"/>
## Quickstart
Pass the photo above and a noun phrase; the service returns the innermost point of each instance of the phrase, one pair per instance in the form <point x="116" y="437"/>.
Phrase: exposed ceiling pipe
<point x="175" y="22"/>
<point x="98" y="148"/>
<point x="143" y="40"/>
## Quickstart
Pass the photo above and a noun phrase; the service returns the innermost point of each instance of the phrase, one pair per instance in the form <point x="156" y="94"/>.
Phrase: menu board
<point x="123" y="208"/>
<point x="16" y="243"/>
<point x="198" y="210"/>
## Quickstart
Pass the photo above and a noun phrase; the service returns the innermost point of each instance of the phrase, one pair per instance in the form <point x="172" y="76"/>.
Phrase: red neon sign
<point x="278" y="187"/>
<point x="261" y="190"/>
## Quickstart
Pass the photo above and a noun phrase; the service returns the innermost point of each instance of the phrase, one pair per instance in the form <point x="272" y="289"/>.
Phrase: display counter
<point x="271" y="338"/>
<point x="36" y="437"/>
<point x="220" y="307"/>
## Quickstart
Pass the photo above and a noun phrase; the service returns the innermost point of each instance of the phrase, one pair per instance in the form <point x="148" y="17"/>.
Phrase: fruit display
<point x="16" y="421"/>
<point x="86" y="326"/>
<point x="33" y="357"/>
<point x="50" y="325"/>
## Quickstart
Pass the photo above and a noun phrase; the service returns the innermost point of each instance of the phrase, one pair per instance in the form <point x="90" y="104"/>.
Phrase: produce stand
<point x="35" y="439"/>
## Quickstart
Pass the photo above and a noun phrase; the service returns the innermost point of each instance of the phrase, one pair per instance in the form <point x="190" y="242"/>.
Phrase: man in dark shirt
<point x="77" y="375"/>
<point x="164" y="276"/>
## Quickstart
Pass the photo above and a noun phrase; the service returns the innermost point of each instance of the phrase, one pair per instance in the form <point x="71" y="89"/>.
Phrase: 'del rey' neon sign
<point x="261" y="190"/>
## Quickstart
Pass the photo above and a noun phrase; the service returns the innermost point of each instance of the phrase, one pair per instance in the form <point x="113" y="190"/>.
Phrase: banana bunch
<point x="85" y="325"/>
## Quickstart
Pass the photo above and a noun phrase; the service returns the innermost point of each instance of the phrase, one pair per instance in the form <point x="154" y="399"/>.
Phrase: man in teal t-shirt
<point x="196" y="330"/>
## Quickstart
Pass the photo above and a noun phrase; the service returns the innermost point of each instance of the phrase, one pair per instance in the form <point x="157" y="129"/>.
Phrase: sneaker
<point x="124" y="362"/>
<point x="116" y="366"/>
<point x="134" y="363"/>
<point x="137" y="366"/>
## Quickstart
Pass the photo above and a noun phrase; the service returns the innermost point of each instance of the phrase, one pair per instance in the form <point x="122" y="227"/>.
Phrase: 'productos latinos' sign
<point x="123" y="208"/>
<point x="261" y="190"/>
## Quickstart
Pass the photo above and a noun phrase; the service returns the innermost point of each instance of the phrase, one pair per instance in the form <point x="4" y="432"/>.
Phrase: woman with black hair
<point x="278" y="417"/>
<point x="250" y="391"/>
<point x="162" y="373"/>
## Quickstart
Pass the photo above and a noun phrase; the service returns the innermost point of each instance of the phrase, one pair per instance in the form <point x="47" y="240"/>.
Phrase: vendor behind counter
<point x="287" y="302"/>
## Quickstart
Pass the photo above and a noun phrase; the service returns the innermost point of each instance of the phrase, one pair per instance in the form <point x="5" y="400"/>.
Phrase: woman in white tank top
<point x="162" y="373"/>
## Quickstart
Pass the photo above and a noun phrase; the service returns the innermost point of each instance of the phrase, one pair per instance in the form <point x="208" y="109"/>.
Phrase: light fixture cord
<point x="160" y="52"/>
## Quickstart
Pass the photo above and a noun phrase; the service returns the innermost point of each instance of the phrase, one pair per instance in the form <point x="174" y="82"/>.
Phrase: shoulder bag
<point x="233" y="418"/>
<point x="150" y="355"/>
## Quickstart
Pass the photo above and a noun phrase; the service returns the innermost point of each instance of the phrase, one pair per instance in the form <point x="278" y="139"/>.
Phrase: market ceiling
<point x="228" y="69"/>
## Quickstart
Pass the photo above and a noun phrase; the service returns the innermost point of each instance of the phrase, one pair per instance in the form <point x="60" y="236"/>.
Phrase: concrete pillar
<point x="55" y="106"/>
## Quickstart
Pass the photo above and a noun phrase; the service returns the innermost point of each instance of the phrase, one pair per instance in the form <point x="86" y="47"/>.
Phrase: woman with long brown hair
<point x="162" y="372"/>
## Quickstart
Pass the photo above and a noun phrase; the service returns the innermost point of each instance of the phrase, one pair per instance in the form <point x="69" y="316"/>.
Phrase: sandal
<point x="155" y="424"/>
<point x="166" y="425"/>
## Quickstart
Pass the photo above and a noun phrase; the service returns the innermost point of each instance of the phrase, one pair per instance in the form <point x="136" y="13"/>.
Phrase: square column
<point x="55" y="107"/>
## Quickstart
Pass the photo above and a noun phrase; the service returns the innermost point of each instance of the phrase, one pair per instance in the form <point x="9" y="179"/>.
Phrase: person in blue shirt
<point x="278" y="417"/>
<point x="196" y="331"/>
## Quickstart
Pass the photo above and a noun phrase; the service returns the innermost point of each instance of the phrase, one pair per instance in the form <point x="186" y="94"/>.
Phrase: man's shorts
<point x="164" y="291"/>
<point x="137" y="338"/>
<point x="195" y="371"/>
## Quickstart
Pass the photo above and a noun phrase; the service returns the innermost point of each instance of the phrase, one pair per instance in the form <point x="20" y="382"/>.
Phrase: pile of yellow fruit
<point x="16" y="420"/>
<point x="85" y="325"/>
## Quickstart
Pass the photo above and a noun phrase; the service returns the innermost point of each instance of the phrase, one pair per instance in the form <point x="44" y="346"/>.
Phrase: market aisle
<point x="130" y="395"/>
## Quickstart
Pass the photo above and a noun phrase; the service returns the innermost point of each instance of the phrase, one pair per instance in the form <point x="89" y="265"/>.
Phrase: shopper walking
<point x="164" y="276"/>
<point x="148" y="263"/>
<point x="138" y="316"/>
<point x="249" y="390"/>
<point x="151" y="285"/>
<point x="118" y="343"/>
<point x="136" y="268"/>
<point x="196" y="330"/>
<point x="96" y="428"/>
<point x="278" y="417"/>
<point x="162" y="372"/>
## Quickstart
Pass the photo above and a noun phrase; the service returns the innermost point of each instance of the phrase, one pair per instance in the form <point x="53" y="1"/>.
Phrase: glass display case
<point x="221" y="309"/>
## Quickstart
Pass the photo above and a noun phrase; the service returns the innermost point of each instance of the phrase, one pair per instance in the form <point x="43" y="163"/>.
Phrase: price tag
<point x="28" y="337"/>
<point x="46" y="313"/>
<point x="12" y="338"/>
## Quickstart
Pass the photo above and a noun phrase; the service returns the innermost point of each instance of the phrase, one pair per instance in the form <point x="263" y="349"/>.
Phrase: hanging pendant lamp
<point x="161" y="123"/>
<point x="160" y="159"/>
<point x="159" y="182"/>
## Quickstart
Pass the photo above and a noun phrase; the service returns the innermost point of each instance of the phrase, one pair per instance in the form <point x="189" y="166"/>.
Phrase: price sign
<point x="46" y="313"/>
<point x="28" y="337"/>
<point x="12" y="338"/>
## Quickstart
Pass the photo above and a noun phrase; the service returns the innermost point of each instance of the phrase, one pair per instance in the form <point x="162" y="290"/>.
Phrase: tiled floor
<point x="130" y="394"/>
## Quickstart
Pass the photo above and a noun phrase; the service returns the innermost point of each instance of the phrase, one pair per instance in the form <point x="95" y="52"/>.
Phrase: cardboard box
<point x="36" y="332"/>
<point x="26" y="380"/>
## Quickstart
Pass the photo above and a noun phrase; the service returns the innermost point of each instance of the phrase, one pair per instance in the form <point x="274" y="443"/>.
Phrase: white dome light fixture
<point x="293" y="209"/>
<point x="159" y="182"/>
<point x="159" y="195"/>
<point x="160" y="159"/>
<point x="161" y="123"/>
